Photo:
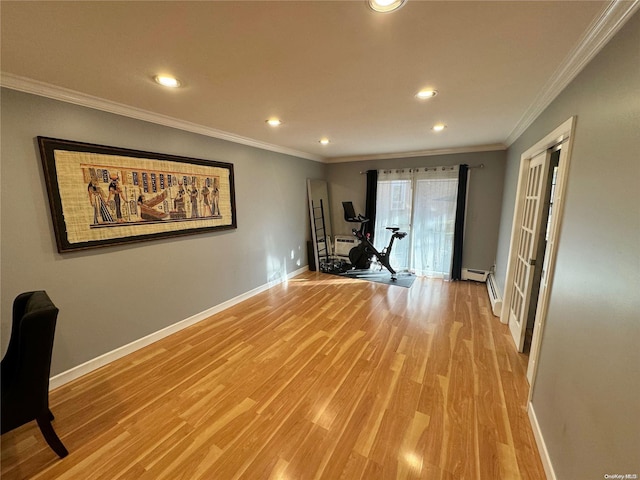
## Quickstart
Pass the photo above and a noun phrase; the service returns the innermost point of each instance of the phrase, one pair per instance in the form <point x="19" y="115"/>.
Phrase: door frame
<point x="562" y="134"/>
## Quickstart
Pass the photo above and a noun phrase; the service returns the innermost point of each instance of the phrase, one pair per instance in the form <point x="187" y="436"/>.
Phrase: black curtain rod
<point x="408" y="168"/>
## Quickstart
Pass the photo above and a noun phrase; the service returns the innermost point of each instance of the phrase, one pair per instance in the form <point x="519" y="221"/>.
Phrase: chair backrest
<point x="25" y="368"/>
<point x="36" y="336"/>
<point x="27" y="364"/>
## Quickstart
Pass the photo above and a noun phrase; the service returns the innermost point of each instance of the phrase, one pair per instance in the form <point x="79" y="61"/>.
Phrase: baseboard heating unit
<point x="494" y="295"/>
<point x="344" y="243"/>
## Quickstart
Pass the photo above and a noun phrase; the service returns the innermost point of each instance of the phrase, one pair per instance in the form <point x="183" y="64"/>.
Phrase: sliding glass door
<point x="393" y="209"/>
<point x="421" y="202"/>
<point x="433" y="225"/>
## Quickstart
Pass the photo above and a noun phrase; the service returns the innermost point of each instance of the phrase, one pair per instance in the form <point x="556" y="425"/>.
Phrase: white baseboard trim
<point x="542" y="447"/>
<point x="95" y="363"/>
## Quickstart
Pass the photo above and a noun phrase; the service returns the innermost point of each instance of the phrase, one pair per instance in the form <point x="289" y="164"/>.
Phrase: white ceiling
<point x="326" y="68"/>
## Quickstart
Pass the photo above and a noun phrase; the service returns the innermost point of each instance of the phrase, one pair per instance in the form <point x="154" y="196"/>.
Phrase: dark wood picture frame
<point x="101" y="195"/>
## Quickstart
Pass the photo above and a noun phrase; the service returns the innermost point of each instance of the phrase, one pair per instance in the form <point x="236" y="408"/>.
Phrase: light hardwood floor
<point x="321" y="377"/>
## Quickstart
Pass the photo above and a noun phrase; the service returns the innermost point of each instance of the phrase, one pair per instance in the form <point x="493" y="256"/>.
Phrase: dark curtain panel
<point x="370" y="206"/>
<point x="458" y="235"/>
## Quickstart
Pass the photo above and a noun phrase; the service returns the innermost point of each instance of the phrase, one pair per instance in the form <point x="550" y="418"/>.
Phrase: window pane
<point x="433" y="228"/>
<point x="393" y="209"/>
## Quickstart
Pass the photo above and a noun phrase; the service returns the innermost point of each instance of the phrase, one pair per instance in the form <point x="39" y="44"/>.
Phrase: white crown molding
<point x="42" y="89"/>
<point x="421" y="153"/>
<point x="35" y="87"/>
<point x="612" y="18"/>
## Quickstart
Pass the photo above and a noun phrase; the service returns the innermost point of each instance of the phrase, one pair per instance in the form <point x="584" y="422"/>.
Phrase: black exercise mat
<point x="404" y="279"/>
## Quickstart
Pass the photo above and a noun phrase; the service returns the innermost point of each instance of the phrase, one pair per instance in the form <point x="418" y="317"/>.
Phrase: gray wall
<point x="484" y="197"/>
<point x="111" y="296"/>
<point x="587" y="391"/>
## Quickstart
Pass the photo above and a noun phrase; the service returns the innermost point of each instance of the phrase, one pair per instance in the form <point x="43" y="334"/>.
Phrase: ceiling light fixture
<point x="423" y="94"/>
<point x="324" y="141"/>
<point x="385" y="6"/>
<point x="438" y="127"/>
<point x="274" y="122"/>
<point x="167" y="81"/>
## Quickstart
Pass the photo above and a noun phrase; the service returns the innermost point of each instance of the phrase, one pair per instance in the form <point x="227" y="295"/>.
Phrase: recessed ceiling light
<point x="167" y="81"/>
<point x="385" y="6"/>
<point x="274" y="122"/>
<point x="438" y="127"/>
<point x="422" y="94"/>
<point x="324" y="141"/>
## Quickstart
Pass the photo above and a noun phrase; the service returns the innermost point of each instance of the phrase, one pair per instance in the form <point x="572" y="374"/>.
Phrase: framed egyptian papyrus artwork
<point x="102" y="195"/>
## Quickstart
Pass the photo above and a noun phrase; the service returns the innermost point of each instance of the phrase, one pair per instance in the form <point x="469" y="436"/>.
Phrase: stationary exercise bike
<point x="360" y="256"/>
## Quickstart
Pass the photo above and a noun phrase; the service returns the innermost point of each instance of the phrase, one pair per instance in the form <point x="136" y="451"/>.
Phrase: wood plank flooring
<point x="318" y="378"/>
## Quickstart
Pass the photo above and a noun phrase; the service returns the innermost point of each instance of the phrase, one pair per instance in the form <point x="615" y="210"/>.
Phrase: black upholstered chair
<point x="26" y="367"/>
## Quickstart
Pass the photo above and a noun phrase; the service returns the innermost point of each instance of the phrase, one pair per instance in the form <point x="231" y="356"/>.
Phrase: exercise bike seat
<point x="393" y="229"/>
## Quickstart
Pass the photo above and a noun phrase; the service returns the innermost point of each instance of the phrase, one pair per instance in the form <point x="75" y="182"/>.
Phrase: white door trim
<point x="550" y="256"/>
<point x="564" y="133"/>
<point x="560" y="134"/>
